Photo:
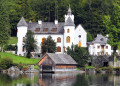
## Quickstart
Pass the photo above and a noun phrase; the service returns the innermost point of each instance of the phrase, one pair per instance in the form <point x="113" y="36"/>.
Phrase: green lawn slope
<point x="12" y="40"/>
<point x="19" y="59"/>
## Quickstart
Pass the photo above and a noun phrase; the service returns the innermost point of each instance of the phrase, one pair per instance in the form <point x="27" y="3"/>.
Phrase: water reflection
<point x="64" y="79"/>
<point x="61" y="79"/>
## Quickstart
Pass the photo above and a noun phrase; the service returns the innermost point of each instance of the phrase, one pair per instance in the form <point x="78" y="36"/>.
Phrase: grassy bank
<point x="12" y="40"/>
<point x="19" y="59"/>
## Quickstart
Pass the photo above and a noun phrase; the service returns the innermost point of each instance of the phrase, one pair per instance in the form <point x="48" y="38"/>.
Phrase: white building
<point x="99" y="46"/>
<point x="63" y="33"/>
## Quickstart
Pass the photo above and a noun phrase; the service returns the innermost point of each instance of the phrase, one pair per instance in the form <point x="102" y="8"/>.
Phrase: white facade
<point x="99" y="46"/>
<point x="76" y="35"/>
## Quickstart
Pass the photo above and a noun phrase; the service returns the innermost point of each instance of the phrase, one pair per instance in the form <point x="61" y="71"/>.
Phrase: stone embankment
<point x="16" y="70"/>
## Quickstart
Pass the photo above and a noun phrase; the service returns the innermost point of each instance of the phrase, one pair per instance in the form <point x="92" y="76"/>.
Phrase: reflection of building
<point x="99" y="46"/>
<point x="63" y="33"/>
<point x="62" y="79"/>
<point x="57" y="62"/>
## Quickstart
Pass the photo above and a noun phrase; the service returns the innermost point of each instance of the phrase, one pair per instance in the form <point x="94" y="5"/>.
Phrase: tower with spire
<point x="69" y="14"/>
<point x="69" y="29"/>
<point x="21" y="32"/>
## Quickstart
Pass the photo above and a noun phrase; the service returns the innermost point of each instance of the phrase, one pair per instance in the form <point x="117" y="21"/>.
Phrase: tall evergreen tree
<point x="4" y="24"/>
<point x="30" y="43"/>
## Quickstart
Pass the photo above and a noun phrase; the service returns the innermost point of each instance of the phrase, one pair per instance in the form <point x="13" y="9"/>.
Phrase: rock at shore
<point x="31" y="69"/>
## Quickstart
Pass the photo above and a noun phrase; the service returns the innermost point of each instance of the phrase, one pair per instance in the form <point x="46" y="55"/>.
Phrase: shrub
<point x="6" y="63"/>
<point x="10" y="47"/>
<point x="20" y="66"/>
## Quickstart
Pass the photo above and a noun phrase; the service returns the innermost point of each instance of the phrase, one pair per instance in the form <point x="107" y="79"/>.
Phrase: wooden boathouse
<point x="51" y="62"/>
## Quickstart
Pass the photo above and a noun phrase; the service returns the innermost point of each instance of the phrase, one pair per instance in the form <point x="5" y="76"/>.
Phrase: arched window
<point x="68" y="30"/>
<point x="79" y="44"/>
<point x="23" y="39"/>
<point x="58" y="39"/>
<point x="23" y="49"/>
<point x="43" y="40"/>
<point x="58" y="49"/>
<point x="68" y="39"/>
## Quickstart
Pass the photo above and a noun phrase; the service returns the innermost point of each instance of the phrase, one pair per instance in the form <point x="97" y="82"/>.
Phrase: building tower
<point x="69" y="28"/>
<point x="21" y="32"/>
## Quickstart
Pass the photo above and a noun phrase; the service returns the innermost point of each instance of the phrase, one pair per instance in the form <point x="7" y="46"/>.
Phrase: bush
<point x="6" y="63"/>
<point x="10" y="47"/>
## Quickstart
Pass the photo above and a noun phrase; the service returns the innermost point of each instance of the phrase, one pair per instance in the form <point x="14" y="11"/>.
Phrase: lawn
<point x="19" y="59"/>
<point x="12" y="40"/>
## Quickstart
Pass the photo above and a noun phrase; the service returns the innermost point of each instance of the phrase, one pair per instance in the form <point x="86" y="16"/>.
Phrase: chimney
<point x="56" y="21"/>
<point x="39" y="22"/>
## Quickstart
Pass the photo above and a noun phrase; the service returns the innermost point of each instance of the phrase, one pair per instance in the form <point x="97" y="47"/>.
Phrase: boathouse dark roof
<point x="61" y="58"/>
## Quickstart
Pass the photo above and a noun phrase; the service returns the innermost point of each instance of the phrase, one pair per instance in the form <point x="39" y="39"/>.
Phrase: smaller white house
<point x="99" y="46"/>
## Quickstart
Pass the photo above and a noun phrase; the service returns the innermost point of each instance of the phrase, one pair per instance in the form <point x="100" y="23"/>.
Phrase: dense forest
<point x="92" y="14"/>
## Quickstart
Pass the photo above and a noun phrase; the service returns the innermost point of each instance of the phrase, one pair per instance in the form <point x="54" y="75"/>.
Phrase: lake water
<point x="63" y="79"/>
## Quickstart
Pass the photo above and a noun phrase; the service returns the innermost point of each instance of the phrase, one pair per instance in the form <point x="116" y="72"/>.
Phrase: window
<point x="58" y="39"/>
<point x="68" y="30"/>
<point x="79" y="44"/>
<point x="68" y="39"/>
<point x="64" y="48"/>
<point x="98" y="53"/>
<point x="23" y="39"/>
<point x="45" y="30"/>
<point x="106" y="47"/>
<point x="101" y="39"/>
<point x="17" y="48"/>
<point x="79" y="36"/>
<point x="54" y="29"/>
<point x="106" y="53"/>
<point x="43" y="40"/>
<point x="58" y="49"/>
<point x="37" y="29"/>
<point x="98" y="47"/>
<point x="23" y="49"/>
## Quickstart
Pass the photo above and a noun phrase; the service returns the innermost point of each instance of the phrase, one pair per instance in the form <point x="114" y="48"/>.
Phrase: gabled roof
<point x="100" y="39"/>
<point x="61" y="58"/>
<point x="50" y="25"/>
<point x="69" y="22"/>
<point x="22" y="22"/>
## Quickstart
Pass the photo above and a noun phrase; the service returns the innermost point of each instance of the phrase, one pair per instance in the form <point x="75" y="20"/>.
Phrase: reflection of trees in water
<point x="100" y="80"/>
<point x="3" y="79"/>
<point x="18" y="80"/>
<point x="63" y="79"/>
<point x="81" y="80"/>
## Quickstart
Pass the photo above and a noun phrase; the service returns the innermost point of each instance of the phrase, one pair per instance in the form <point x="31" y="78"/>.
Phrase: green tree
<point x="112" y="24"/>
<point x="4" y="24"/>
<point x="30" y="43"/>
<point x="79" y="54"/>
<point x="89" y="37"/>
<point x="48" y="45"/>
